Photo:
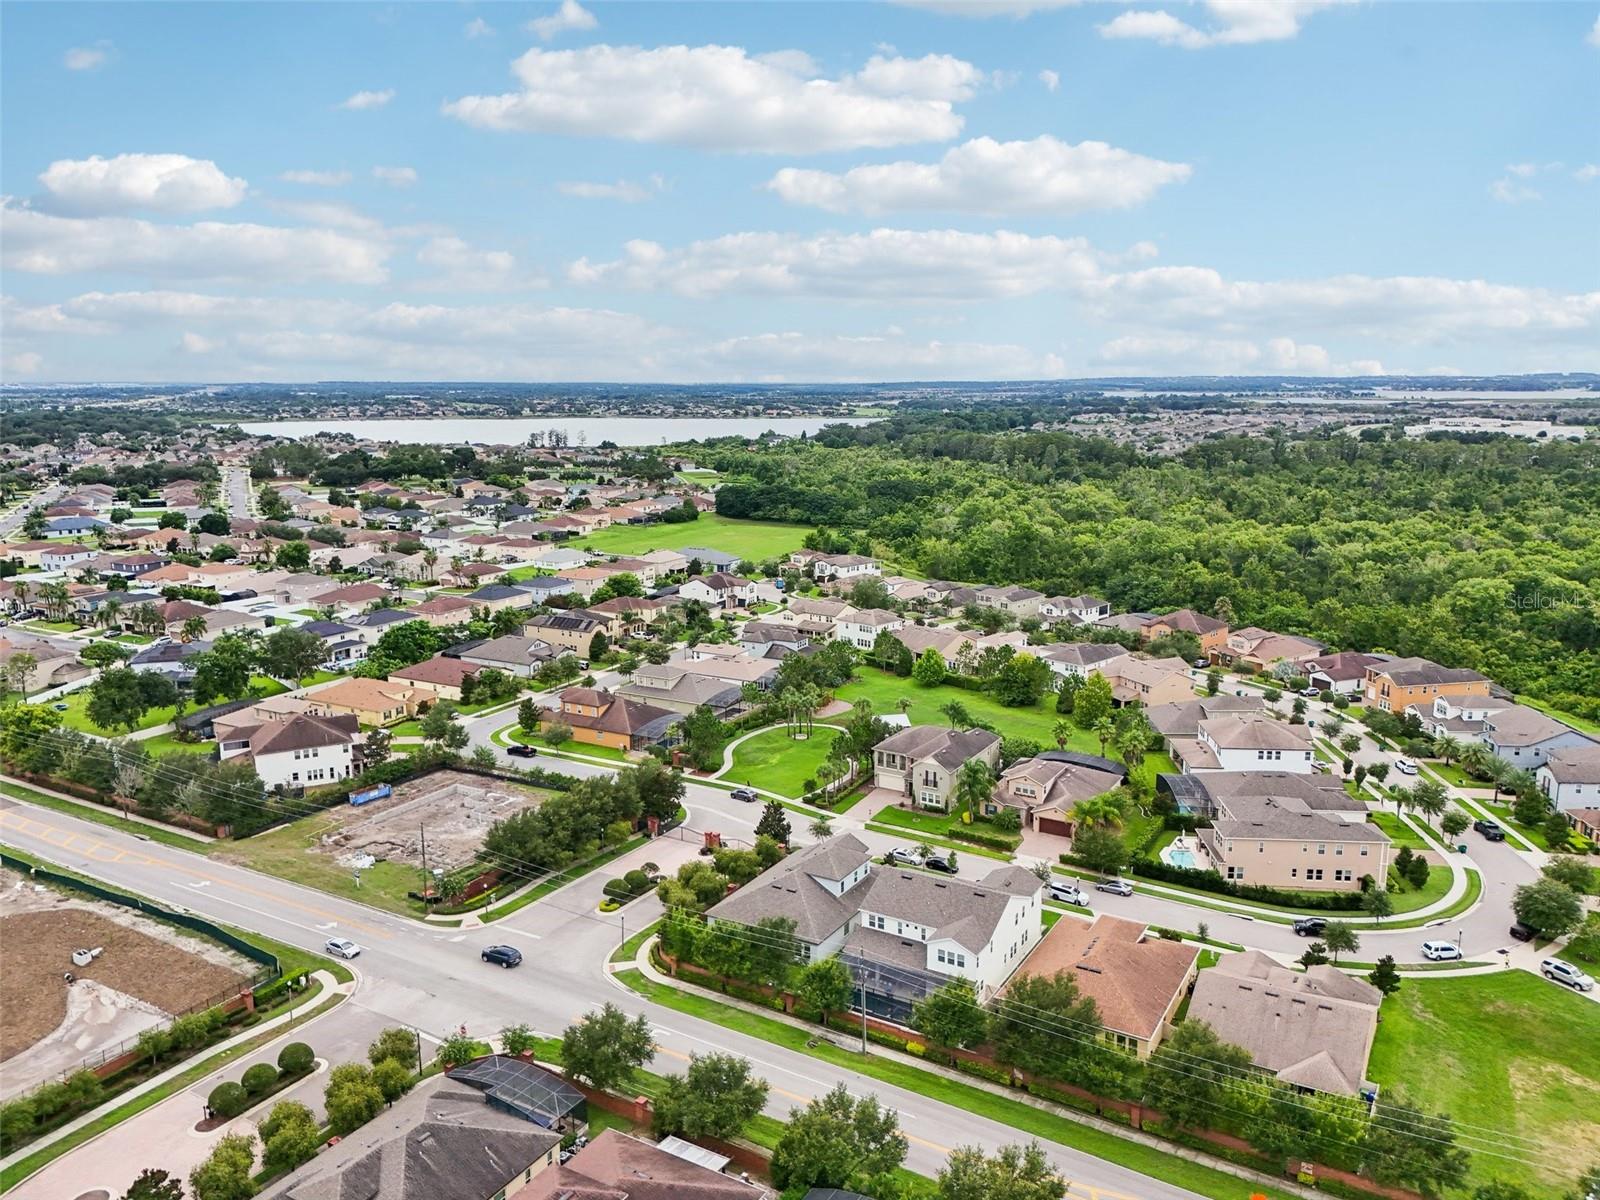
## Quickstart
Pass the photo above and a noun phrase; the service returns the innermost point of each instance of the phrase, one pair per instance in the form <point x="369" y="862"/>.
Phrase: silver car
<point x="341" y="948"/>
<point x="1564" y="972"/>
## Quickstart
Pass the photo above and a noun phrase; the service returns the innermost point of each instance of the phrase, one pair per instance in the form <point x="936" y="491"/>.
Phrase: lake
<point x="580" y="431"/>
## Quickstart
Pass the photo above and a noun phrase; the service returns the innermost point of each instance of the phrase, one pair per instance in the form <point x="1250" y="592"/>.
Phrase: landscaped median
<point x="1030" y="1119"/>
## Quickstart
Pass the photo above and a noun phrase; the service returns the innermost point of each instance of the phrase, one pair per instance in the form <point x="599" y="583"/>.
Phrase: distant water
<point x="580" y="431"/>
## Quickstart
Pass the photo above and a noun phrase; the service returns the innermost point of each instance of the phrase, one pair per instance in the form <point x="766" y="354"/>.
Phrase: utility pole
<point x="863" y="980"/>
<point x="422" y="833"/>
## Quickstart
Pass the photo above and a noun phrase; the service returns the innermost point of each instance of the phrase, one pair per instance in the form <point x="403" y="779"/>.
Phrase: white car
<point x="1564" y="972"/>
<point x="342" y="948"/>
<point x="1441" y="951"/>
<point x="1067" y="893"/>
<point x="1405" y="766"/>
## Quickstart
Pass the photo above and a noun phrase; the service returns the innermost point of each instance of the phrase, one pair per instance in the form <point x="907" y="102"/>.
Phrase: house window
<point x="1322" y="847"/>
<point x="1235" y="873"/>
<point x="875" y="921"/>
<point x="1314" y="874"/>
<point x="1343" y="875"/>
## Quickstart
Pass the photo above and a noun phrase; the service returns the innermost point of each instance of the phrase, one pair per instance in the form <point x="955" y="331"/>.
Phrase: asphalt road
<point x="433" y="979"/>
<point x="18" y="515"/>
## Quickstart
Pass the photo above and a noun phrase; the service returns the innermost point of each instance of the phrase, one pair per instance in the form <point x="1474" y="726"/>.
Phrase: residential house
<point x="70" y="527"/>
<point x="1244" y="742"/>
<point x="543" y="587"/>
<point x="374" y="702"/>
<point x="1212" y="633"/>
<point x="920" y="763"/>
<point x="1182" y="719"/>
<point x="600" y="718"/>
<point x="27" y="553"/>
<point x="620" y="1166"/>
<point x="903" y="933"/>
<point x="1079" y="658"/>
<point x="586" y="581"/>
<point x="957" y="648"/>
<point x="297" y="590"/>
<point x="1150" y="681"/>
<point x="1137" y="980"/>
<point x="1204" y="794"/>
<point x="709" y="560"/>
<point x="673" y="562"/>
<point x="1019" y="602"/>
<point x="817" y="618"/>
<point x="758" y="637"/>
<point x="169" y="658"/>
<point x="1131" y="622"/>
<point x="720" y="590"/>
<point x="513" y="654"/>
<point x="225" y="577"/>
<point x="54" y="664"/>
<point x="1046" y="788"/>
<point x="736" y="670"/>
<point x="441" y="1141"/>
<point x="861" y="626"/>
<point x="1570" y="777"/>
<point x="1311" y="1029"/>
<point x="1074" y="610"/>
<point x="471" y="574"/>
<point x="572" y="631"/>
<point x="303" y="751"/>
<point x="1585" y="820"/>
<point x="1344" y="672"/>
<point x="342" y="645"/>
<point x="352" y="598"/>
<point x="67" y="556"/>
<point x="672" y="687"/>
<point x="438" y="675"/>
<point x="630" y="615"/>
<point x="1526" y="737"/>
<point x="371" y="626"/>
<point x="1282" y="842"/>
<point x="1263" y="649"/>
<point x="558" y="558"/>
<point x="841" y="569"/>
<point x="497" y="596"/>
<point x="443" y="611"/>
<point x="1395" y="685"/>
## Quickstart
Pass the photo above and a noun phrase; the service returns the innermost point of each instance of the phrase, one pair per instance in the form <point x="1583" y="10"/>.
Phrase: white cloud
<point x="1587" y="172"/>
<point x="1016" y="9"/>
<point x="26" y="362"/>
<point x="455" y="265"/>
<point x="721" y="98"/>
<point x="1594" y="33"/>
<point x="1233" y="23"/>
<point x="194" y="343"/>
<point x="1192" y="353"/>
<point x="570" y="17"/>
<point x="165" y="183"/>
<point x="362" y="101"/>
<point x="40" y="243"/>
<point x="623" y="189"/>
<point x="1050" y="79"/>
<point x="478" y="28"/>
<point x="1525" y="170"/>
<point x="1042" y="176"/>
<point x="317" y="178"/>
<point x="1509" y="191"/>
<point x="886" y="264"/>
<point x="782" y="357"/>
<point x="400" y="177"/>
<point x="88" y="58"/>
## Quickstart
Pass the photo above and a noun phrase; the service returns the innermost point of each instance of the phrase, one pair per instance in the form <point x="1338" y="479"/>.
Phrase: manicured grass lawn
<point x="1452" y="773"/>
<point x="168" y="743"/>
<point x="1408" y="899"/>
<point x="1397" y="830"/>
<point x="514" y="734"/>
<point x="131" y="639"/>
<point x="321" y="677"/>
<point x="930" y="828"/>
<point x="756" y="540"/>
<point x="774" y="760"/>
<point x="286" y="852"/>
<point x="1507" y="1052"/>
<point x="75" y="716"/>
<point x="51" y="626"/>
<point x="1034" y="1122"/>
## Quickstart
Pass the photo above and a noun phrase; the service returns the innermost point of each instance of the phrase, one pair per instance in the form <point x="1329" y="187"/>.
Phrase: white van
<point x="1441" y="951"/>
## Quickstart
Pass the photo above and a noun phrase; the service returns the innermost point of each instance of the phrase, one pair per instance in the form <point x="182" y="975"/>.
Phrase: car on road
<point x="1310" y="691"/>
<point x="1521" y="932"/>
<point x="1202" y="663"/>
<point x="1117" y="887"/>
<point x="1441" y="951"/>
<point x="745" y="794"/>
<point x="938" y="862"/>
<point x="505" y="956"/>
<point x="518" y="750"/>
<point x="1490" y="829"/>
<point x="1405" y="766"/>
<point x="903" y="858"/>
<point x="1559" y="971"/>
<point x="1311" y="926"/>
<point x="341" y="948"/>
<point x="1067" y="893"/>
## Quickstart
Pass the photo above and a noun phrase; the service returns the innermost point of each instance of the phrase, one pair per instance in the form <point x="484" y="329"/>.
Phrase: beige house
<point x="440" y="676"/>
<point x="569" y="630"/>
<point x="920" y="763"/>
<point x="1150" y="681"/>
<point x="1136" y="980"/>
<point x="1045" y="789"/>
<point x="1262" y="649"/>
<point x="1283" y="842"/>
<point x="374" y="702"/>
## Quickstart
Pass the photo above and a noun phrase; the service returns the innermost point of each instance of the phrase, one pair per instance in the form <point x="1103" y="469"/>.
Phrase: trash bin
<point x="1461" y="847"/>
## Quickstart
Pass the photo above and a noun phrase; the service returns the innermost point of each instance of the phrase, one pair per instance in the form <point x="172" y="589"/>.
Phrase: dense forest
<point x="1481" y="553"/>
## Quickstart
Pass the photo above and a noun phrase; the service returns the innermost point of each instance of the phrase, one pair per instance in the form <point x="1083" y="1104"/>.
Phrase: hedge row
<point x="1211" y="881"/>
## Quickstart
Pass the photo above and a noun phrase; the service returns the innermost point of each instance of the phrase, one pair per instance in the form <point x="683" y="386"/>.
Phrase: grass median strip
<point x="1148" y="1160"/>
<point x="86" y="811"/>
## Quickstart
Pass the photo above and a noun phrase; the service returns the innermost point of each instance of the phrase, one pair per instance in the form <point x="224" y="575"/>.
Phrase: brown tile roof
<point x="303" y="732"/>
<point x="447" y="671"/>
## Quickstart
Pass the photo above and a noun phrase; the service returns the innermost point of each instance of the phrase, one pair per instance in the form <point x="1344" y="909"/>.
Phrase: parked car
<point x="1564" y="972"/>
<point x="1521" y="932"/>
<point x="1067" y="893"/>
<point x="938" y="862"/>
<point x="505" y="956"/>
<point x="1311" y="926"/>
<point x="1321" y="767"/>
<point x="1441" y="951"/>
<point x="1490" y="830"/>
<point x="583" y="664"/>
<point x="1202" y="663"/>
<point x="1311" y="692"/>
<point x="745" y="794"/>
<point x="520" y="751"/>
<point x="903" y="858"/>
<point x="1117" y="887"/>
<point x="1405" y="766"/>
<point x="341" y="948"/>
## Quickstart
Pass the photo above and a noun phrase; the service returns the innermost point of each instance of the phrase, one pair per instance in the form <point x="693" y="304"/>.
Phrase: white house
<point x="305" y="750"/>
<point x="1570" y="776"/>
<point x="861" y="626"/>
<point x="720" y="590"/>
<point x="1244" y="742"/>
<point x="559" y="558"/>
<point x="1526" y="737"/>
<point x="1079" y="610"/>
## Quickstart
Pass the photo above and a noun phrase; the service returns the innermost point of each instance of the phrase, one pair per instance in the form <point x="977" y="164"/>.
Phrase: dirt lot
<point x="147" y="971"/>
<point x="455" y="808"/>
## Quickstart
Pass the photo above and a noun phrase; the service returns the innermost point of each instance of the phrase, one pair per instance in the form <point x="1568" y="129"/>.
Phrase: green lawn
<point x="777" y="762"/>
<point x="51" y="626"/>
<point x="930" y="828"/>
<point x="1583" y="723"/>
<point x="1397" y="830"/>
<point x="1507" y="1052"/>
<point x="286" y="853"/>
<point x="1452" y="773"/>
<point x="76" y="716"/>
<point x="168" y="743"/>
<point x="756" y="540"/>
<point x="514" y="733"/>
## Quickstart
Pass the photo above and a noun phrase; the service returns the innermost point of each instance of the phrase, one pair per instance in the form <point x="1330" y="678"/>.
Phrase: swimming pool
<point x="1179" y="856"/>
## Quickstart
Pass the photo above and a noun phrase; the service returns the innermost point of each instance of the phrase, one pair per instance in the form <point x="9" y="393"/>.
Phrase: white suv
<point x="1441" y="951"/>
<point x="1565" y="972"/>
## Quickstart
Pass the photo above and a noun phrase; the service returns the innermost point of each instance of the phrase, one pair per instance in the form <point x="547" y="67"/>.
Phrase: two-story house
<point x="1046" y="788"/>
<point x="920" y="763"/>
<point x="303" y="751"/>
<point x="1395" y="685"/>
<point x="1079" y="658"/>
<point x="1570" y="776"/>
<point x="1150" y="681"/>
<point x="1263" y="649"/>
<point x="1073" y="610"/>
<point x="1211" y="632"/>
<point x="720" y="590"/>
<point x="1344" y="672"/>
<point x="600" y="718"/>
<point x="1281" y="841"/>
<point x="572" y="631"/>
<point x="1526" y="737"/>
<point x="861" y="626"/>
<point x="1244" y="742"/>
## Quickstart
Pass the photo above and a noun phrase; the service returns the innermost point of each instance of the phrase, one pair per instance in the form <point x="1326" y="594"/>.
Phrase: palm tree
<point x="1104" y="729"/>
<point x="1499" y="772"/>
<point x="430" y="558"/>
<point x="820" y="828"/>
<point x="1062" y="732"/>
<point x="110" y="614"/>
<point x="194" y="628"/>
<point x="956" y="712"/>
<point x="1099" y="810"/>
<point x="55" y="597"/>
<point x="20" y="589"/>
<point x="1448" y="748"/>
<point x="903" y="703"/>
<point x="974" y="786"/>
<point x="1474" y="758"/>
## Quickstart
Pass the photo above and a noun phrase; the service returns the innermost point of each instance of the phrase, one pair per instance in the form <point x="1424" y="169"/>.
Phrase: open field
<point x="1508" y="1053"/>
<point x="756" y="540"/>
<point x="324" y="850"/>
<point x="774" y="760"/>
<point x="76" y="716"/>
<point x="146" y="973"/>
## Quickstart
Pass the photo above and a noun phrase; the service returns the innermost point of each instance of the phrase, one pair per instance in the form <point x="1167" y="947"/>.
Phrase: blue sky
<point x="798" y="191"/>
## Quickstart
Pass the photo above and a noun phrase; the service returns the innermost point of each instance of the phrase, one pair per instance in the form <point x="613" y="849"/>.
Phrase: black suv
<point x="1311" y="926"/>
<point x="1490" y="830"/>
<point x="521" y="751"/>
<point x="505" y="956"/>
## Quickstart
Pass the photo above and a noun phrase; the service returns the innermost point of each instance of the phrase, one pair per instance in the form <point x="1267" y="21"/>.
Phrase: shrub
<point x="609" y="906"/>
<point x="916" y="1048"/>
<point x="259" y="1078"/>
<point x="296" y="1059"/>
<point x="993" y="841"/>
<point x="392" y="1078"/>
<point x="227" y="1099"/>
<point x="16" y="1121"/>
<point x="637" y="881"/>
